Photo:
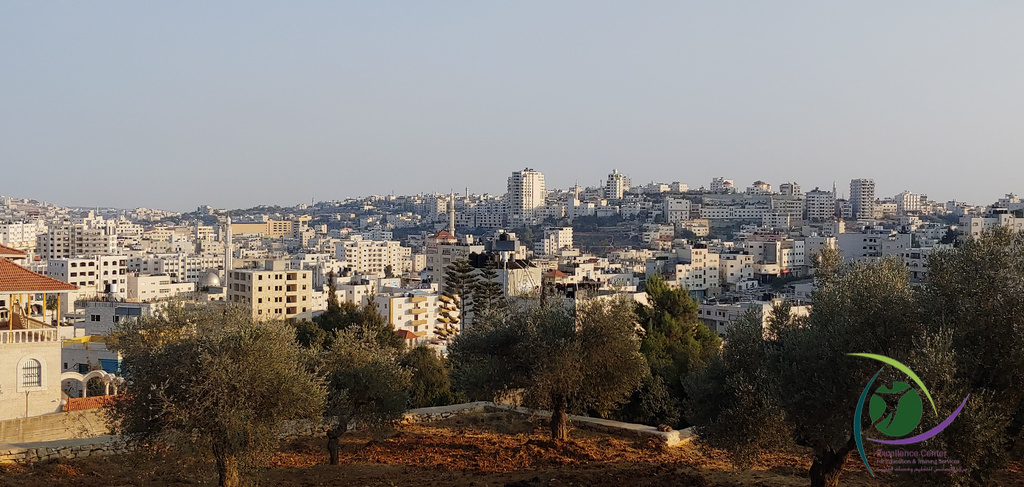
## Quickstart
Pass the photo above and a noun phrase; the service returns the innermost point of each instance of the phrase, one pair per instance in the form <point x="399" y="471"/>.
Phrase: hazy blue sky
<point x="237" y="104"/>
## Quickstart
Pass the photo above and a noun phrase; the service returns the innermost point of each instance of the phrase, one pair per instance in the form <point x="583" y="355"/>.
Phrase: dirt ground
<point x="473" y="450"/>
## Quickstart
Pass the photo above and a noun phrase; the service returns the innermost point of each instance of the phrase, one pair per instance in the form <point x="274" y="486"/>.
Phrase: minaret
<point x="228" y="262"/>
<point x="451" y="215"/>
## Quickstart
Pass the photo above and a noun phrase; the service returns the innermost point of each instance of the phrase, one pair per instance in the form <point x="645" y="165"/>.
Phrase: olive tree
<point x="553" y="357"/>
<point x="215" y="379"/>
<point x="792" y="382"/>
<point x="973" y="303"/>
<point x="366" y="385"/>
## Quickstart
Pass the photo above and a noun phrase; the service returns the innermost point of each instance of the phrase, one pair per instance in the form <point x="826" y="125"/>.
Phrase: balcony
<point x="41" y="335"/>
<point x="416" y="311"/>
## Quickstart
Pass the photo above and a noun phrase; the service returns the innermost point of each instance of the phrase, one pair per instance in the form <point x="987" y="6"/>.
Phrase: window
<point x="32" y="373"/>
<point x="94" y="317"/>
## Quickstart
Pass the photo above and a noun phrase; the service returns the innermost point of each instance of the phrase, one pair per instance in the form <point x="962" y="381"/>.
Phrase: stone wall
<point x="29" y="452"/>
<point x="53" y="450"/>
<point x="440" y="413"/>
<point x="617" y="428"/>
<point x="56" y="426"/>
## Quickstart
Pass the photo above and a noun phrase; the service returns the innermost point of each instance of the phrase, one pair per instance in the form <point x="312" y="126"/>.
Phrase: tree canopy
<point x="553" y="357"/>
<point x="674" y="343"/>
<point x="770" y="388"/>
<point x="366" y="385"/>
<point x="430" y="384"/>
<point x="215" y="379"/>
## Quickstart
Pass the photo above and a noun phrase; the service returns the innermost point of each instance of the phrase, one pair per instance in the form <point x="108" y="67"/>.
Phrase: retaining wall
<point x="617" y="428"/>
<point x="52" y="427"/>
<point x="53" y="450"/>
<point x="30" y="451"/>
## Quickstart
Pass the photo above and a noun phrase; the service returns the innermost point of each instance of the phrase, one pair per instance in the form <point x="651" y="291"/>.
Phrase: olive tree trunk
<point x="828" y="466"/>
<point x="559" y="428"/>
<point x="227" y="466"/>
<point x="332" y="442"/>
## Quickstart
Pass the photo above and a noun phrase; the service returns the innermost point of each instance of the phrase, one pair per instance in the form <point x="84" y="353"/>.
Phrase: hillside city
<point x="732" y="248"/>
<point x="613" y="299"/>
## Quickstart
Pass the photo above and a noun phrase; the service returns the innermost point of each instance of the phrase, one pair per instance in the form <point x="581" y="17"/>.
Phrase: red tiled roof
<point x="15" y="278"/>
<point x="443" y="234"/>
<point x="6" y="251"/>
<point x="406" y="334"/>
<point x="555" y="274"/>
<point x="80" y="403"/>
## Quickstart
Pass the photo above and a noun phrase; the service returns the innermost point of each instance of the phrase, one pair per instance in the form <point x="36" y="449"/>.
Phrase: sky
<point x="173" y="105"/>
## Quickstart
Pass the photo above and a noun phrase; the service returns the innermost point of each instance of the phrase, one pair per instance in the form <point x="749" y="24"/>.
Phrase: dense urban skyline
<point x="236" y="105"/>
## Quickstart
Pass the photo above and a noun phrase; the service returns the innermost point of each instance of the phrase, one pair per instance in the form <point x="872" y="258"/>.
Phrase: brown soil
<point x="473" y="450"/>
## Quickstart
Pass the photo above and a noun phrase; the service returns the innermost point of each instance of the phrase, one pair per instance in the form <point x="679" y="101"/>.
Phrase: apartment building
<point x="908" y="203"/>
<point x="819" y="205"/>
<point x="441" y="250"/>
<point x="273" y="228"/>
<point x="555" y="239"/>
<point x="21" y="235"/>
<point x="872" y="245"/>
<point x="776" y="255"/>
<point x="416" y="315"/>
<point x="372" y="257"/>
<point x="272" y="292"/>
<point x="997" y="217"/>
<point x="790" y="189"/>
<point x="734" y="268"/>
<point x="677" y="209"/>
<point x="694" y="268"/>
<point x="147" y="288"/>
<point x="720" y="317"/>
<point x="526" y="192"/>
<point x="92" y="276"/>
<point x="616" y="185"/>
<point x="862" y="198"/>
<point x="722" y="185"/>
<point x="917" y="262"/>
<point x="76" y="240"/>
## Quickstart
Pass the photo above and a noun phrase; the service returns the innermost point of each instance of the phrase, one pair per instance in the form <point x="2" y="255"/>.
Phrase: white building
<point x="735" y="268"/>
<point x="272" y="292"/>
<point x="908" y="203"/>
<point x="374" y="256"/>
<point x="21" y="235"/>
<point x="862" y="198"/>
<point x="759" y="187"/>
<point x="146" y="288"/>
<point x="30" y="347"/>
<point x="790" y="189"/>
<point x="76" y="240"/>
<point x="417" y="315"/>
<point x="819" y="205"/>
<point x="616" y="186"/>
<point x="555" y="239"/>
<point x="872" y="245"/>
<point x="720" y="317"/>
<point x="722" y="185"/>
<point x="677" y="209"/>
<point x="93" y="276"/>
<point x="974" y="225"/>
<point x="526" y="192"/>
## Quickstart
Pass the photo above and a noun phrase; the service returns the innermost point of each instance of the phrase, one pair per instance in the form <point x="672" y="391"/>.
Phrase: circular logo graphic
<point x="900" y="420"/>
<point x="896" y="411"/>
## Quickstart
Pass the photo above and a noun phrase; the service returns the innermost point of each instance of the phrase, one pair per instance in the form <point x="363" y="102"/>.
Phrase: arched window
<point x="31" y="373"/>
